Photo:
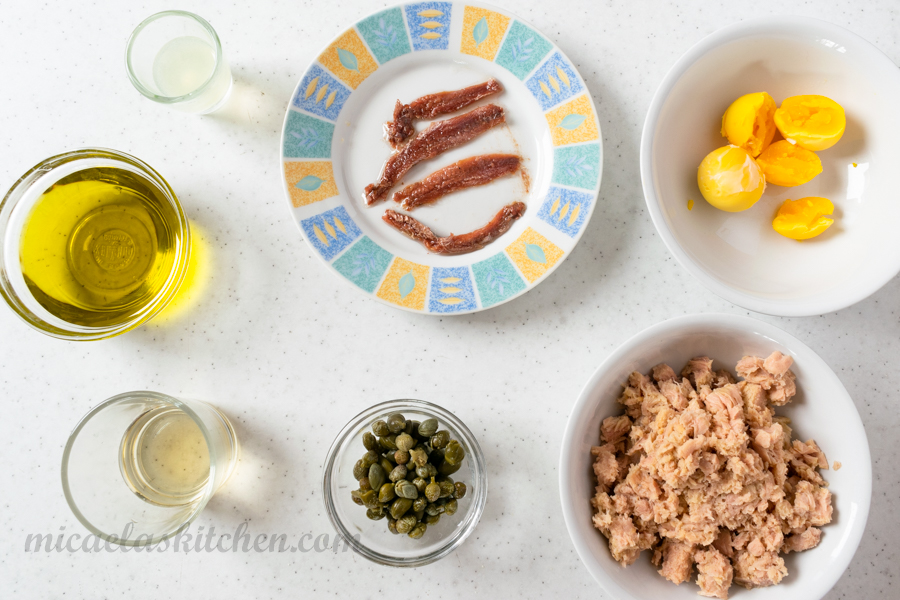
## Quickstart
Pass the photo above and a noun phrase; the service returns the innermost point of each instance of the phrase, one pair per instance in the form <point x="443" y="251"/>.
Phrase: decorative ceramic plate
<point x="333" y="146"/>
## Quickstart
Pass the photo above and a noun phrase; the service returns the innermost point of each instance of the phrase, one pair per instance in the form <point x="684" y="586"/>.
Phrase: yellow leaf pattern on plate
<point x="554" y="83"/>
<point x="330" y="229"/>
<point x="320" y="235"/>
<point x="339" y="225"/>
<point x="574" y="215"/>
<point x="431" y="25"/>
<point x="431" y="13"/>
<point x="555" y="205"/>
<point x="431" y="35"/>
<point x="451" y="290"/>
<point x="321" y="94"/>
<point x="563" y="77"/>
<point x="451" y="280"/>
<point x="545" y="89"/>
<point x="562" y="213"/>
<point x="450" y="301"/>
<point x="330" y="99"/>
<point x="311" y="87"/>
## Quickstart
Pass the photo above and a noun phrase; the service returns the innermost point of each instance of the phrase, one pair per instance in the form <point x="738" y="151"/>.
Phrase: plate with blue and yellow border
<point x="332" y="146"/>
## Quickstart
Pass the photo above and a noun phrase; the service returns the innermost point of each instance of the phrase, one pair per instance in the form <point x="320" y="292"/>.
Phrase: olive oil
<point x="99" y="246"/>
<point x="165" y="458"/>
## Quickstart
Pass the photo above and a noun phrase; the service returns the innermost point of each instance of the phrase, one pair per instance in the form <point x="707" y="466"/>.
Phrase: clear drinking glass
<point x="175" y="58"/>
<point x="141" y="466"/>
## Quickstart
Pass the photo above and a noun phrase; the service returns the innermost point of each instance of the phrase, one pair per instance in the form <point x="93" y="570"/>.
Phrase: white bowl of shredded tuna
<point x="718" y="453"/>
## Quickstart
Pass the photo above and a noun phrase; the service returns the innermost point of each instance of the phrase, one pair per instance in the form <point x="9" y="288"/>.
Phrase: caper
<point x="386" y="493"/>
<point x="370" y="458"/>
<point x="420" y="503"/>
<point x="370" y="441"/>
<point x="364" y="485"/>
<point x="355" y="495"/>
<point x="433" y="491"/>
<point x="448" y="469"/>
<point x="440" y="439"/>
<point x="432" y="519"/>
<point x="376" y="477"/>
<point x="359" y="470"/>
<point x="420" y="515"/>
<point x="428" y="428"/>
<point x="380" y="428"/>
<point x="405" y="489"/>
<point x="418" y="531"/>
<point x="420" y="484"/>
<point x="397" y="473"/>
<point x="454" y="453"/>
<point x="427" y="471"/>
<point x="401" y="457"/>
<point x="405" y="524"/>
<point x="451" y="507"/>
<point x="405" y="441"/>
<point x="375" y="513"/>
<point x="412" y="427"/>
<point x="418" y="456"/>
<point x="396" y="423"/>
<point x="436" y="457"/>
<point x="387" y="465"/>
<point x="388" y="442"/>
<point x="434" y="509"/>
<point x="446" y="489"/>
<point x="369" y="498"/>
<point x="460" y="489"/>
<point x="400" y="506"/>
<point x="392" y="526"/>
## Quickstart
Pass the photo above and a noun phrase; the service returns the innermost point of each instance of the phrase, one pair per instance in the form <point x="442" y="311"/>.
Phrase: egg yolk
<point x="788" y="165"/>
<point x="804" y="218"/>
<point x="812" y="122"/>
<point x="749" y="122"/>
<point x="730" y="179"/>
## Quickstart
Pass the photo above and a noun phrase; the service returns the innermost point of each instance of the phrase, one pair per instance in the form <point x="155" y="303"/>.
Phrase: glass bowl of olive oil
<point x="93" y="243"/>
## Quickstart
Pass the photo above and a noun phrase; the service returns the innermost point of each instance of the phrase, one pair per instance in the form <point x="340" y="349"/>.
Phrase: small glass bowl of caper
<point x="448" y="502"/>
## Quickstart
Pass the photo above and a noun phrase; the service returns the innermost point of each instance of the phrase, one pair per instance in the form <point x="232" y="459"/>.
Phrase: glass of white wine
<point x="175" y="58"/>
<point x="141" y="466"/>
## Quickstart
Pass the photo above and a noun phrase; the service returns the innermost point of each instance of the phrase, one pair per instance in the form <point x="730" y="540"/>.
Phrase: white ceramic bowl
<point x="822" y="410"/>
<point x="738" y="255"/>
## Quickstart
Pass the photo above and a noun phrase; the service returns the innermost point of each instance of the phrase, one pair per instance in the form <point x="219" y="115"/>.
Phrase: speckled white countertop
<point x="290" y="353"/>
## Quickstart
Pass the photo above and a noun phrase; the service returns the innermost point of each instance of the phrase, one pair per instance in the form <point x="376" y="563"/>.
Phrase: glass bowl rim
<point x="136" y="82"/>
<point x="470" y="518"/>
<point x="17" y="191"/>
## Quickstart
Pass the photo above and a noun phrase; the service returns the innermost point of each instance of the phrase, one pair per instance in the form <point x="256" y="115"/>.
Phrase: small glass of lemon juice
<point x="93" y="243"/>
<point x="141" y="466"/>
<point x="175" y="58"/>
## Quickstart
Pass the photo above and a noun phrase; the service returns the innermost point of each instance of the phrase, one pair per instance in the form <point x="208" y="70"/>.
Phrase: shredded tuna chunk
<point x="701" y="470"/>
<point x="803" y="541"/>
<point x="714" y="573"/>
<point x="677" y="561"/>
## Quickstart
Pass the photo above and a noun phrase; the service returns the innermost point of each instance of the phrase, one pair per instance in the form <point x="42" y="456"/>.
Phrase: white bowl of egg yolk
<point x="735" y="250"/>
